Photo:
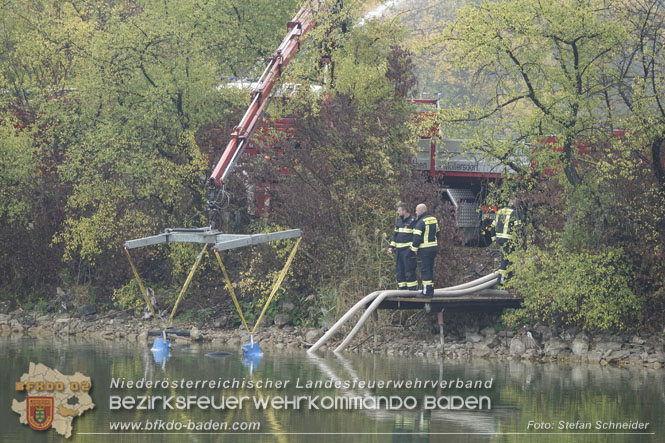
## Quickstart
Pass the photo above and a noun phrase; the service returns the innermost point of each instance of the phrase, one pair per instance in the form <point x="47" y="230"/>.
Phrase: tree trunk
<point x="657" y="161"/>
<point x="569" y="163"/>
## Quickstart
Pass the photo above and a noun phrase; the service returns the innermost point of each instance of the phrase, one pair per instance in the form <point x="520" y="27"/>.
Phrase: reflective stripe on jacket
<point x="425" y="232"/>
<point x="403" y="232"/>
<point x="504" y="223"/>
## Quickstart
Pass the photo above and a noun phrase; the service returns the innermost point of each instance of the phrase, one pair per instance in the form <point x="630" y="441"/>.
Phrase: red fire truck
<point x="463" y="177"/>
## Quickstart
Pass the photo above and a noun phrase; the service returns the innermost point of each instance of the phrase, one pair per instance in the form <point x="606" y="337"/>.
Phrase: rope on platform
<point x="277" y="284"/>
<point x="187" y="282"/>
<point x="233" y="294"/>
<point x="138" y="279"/>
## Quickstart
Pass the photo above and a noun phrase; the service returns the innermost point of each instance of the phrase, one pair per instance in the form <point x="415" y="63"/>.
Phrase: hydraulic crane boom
<point x="301" y="24"/>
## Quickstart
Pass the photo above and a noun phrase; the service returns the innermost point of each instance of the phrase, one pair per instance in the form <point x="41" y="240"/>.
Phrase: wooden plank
<point x="454" y="306"/>
<point x="470" y="298"/>
<point x="490" y="300"/>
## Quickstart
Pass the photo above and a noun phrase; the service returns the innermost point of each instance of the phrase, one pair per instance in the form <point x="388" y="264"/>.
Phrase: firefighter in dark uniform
<point x="401" y="243"/>
<point x="425" y="245"/>
<point x="505" y="222"/>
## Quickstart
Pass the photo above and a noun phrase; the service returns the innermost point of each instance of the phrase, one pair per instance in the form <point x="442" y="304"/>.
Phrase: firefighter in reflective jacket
<point x="425" y="245"/>
<point x="401" y="243"/>
<point x="504" y="225"/>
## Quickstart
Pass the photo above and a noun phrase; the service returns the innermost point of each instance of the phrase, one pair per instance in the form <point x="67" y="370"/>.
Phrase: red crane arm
<point x="301" y="24"/>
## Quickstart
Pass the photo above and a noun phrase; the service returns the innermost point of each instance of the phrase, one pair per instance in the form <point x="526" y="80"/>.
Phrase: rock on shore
<point x="540" y="342"/>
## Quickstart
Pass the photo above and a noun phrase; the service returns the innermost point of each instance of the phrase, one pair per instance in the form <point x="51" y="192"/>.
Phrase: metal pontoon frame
<point x="221" y="241"/>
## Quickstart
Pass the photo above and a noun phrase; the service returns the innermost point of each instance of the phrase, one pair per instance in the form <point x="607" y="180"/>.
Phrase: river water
<point x="520" y="401"/>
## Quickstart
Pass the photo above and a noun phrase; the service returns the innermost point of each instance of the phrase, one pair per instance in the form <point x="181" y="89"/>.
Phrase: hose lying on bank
<point x="377" y="301"/>
<point x="343" y="320"/>
<point x="462" y="289"/>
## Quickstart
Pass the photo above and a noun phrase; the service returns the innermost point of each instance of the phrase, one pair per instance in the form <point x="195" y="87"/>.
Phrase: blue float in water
<point x="161" y="343"/>
<point x="251" y="349"/>
<point x="160" y="350"/>
<point x="252" y="354"/>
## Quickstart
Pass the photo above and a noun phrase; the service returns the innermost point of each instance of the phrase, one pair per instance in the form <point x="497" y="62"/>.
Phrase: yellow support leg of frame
<point x="274" y="290"/>
<point x="277" y="284"/>
<point x="187" y="282"/>
<point x="138" y="280"/>
<point x="233" y="294"/>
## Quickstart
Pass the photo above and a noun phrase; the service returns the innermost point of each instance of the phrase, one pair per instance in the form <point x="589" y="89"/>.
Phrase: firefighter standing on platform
<point x="401" y="243"/>
<point x="425" y="245"/>
<point x="504" y="224"/>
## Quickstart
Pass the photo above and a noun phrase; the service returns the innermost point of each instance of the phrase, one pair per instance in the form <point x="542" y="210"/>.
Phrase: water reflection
<point x="412" y="421"/>
<point x="251" y="361"/>
<point x="522" y="392"/>
<point x="161" y="350"/>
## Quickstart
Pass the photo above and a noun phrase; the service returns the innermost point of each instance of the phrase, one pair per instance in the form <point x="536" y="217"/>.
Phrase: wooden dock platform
<point x="487" y="300"/>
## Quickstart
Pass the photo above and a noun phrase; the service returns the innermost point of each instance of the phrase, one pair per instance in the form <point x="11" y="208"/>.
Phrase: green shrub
<point x="129" y="296"/>
<point x="205" y="315"/>
<point x="591" y="290"/>
<point x="41" y="307"/>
